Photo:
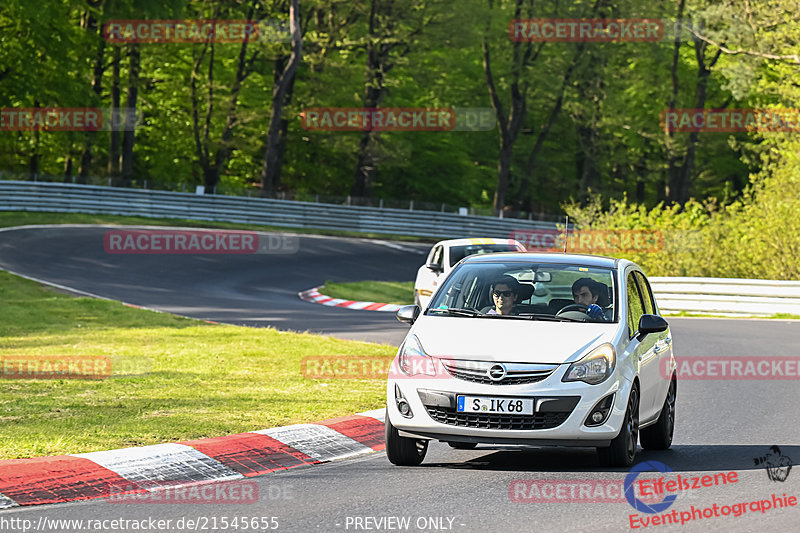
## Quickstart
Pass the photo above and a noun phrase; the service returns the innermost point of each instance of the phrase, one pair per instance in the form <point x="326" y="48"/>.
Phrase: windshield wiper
<point x="551" y="318"/>
<point x="458" y="311"/>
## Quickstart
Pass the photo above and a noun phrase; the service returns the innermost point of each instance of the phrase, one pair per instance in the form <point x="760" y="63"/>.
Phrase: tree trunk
<point x="510" y="125"/>
<point x="97" y="87"/>
<point x="684" y="182"/>
<point x="270" y="172"/>
<point x="673" y="159"/>
<point x="545" y="129"/>
<point x="68" y="169"/>
<point x="374" y="89"/>
<point x="130" y="120"/>
<point x="225" y="148"/>
<point x="113" y="149"/>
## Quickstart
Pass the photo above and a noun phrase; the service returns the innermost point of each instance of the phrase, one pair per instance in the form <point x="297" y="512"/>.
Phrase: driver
<point x="505" y="292"/>
<point x="586" y="291"/>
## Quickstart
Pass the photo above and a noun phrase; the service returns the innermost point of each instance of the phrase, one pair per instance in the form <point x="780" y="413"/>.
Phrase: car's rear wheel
<point x="659" y="435"/>
<point x="623" y="448"/>
<point x="463" y="445"/>
<point x="404" y="451"/>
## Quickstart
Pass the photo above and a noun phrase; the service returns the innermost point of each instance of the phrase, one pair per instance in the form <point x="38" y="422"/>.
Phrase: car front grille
<point x="513" y="373"/>
<point x="487" y="381"/>
<point x="451" y="417"/>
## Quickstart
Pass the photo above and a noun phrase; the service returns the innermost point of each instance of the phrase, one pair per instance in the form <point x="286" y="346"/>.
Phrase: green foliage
<point x="755" y="238"/>
<point x="606" y="138"/>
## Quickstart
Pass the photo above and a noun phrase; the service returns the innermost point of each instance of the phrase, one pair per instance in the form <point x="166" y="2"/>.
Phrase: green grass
<point x="777" y="316"/>
<point x="173" y="378"/>
<point x="23" y="218"/>
<point x="389" y="292"/>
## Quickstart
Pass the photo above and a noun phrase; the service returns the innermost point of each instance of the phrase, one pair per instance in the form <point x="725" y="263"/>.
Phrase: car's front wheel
<point x="659" y="435"/>
<point x="623" y="448"/>
<point x="404" y="451"/>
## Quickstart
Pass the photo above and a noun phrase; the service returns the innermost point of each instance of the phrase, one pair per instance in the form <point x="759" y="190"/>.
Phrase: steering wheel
<point x="574" y="307"/>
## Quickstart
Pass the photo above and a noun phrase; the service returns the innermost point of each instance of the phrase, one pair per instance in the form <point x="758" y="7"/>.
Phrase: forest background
<point x="577" y="126"/>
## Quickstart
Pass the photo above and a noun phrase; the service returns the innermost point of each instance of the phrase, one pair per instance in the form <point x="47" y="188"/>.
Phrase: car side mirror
<point x="651" y="324"/>
<point x="435" y="267"/>
<point x="408" y="314"/>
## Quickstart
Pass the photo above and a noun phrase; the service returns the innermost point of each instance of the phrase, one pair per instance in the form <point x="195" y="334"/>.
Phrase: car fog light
<point x="600" y="412"/>
<point x="402" y="403"/>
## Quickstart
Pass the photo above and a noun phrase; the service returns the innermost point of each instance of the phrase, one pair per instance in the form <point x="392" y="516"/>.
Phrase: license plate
<point x="495" y="405"/>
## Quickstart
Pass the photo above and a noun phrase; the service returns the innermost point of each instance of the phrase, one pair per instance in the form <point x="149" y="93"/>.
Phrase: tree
<point x="270" y="173"/>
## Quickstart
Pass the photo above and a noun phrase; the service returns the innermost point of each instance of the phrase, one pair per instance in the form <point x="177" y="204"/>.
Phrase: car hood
<point x="510" y="340"/>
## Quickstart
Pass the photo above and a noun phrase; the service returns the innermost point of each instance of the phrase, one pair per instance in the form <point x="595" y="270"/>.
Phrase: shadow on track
<point x="681" y="458"/>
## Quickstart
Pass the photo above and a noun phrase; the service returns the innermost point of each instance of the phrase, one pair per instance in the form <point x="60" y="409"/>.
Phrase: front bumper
<point x="560" y="410"/>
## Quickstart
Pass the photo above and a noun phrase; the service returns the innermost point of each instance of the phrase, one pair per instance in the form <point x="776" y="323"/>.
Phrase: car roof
<point x="547" y="257"/>
<point x="475" y="240"/>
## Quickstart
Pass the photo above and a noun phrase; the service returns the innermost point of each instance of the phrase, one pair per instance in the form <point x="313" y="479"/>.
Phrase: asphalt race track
<point x="246" y="289"/>
<point x="721" y="426"/>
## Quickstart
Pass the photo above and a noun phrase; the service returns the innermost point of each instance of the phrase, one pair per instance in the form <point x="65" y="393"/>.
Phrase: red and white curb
<point x="84" y="476"/>
<point x="314" y="296"/>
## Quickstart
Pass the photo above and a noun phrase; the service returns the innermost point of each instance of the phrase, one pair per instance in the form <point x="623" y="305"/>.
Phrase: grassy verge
<point x="389" y="292"/>
<point x="777" y="316"/>
<point x="23" y="218"/>
<point x="173" y="378"/>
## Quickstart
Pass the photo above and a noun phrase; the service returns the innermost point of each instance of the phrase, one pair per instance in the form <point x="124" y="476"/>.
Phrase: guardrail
<point x="76" y="198"/>
<point x="726" y="296"/>
<point x="722" y="296"/>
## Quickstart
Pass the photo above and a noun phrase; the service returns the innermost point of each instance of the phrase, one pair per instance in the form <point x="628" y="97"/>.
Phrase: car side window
<point x="437" y="255"/>
<point x="635" y="308"/>
<point x="647" y="294"/>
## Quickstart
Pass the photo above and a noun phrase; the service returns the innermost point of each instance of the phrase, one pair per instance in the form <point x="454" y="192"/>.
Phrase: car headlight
<point x="595" y="367"/>
<point x="413" y="360"/>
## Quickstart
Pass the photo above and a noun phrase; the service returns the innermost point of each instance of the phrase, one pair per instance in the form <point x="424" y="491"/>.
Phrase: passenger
<point x="505" y="293"/>
<point x="586" y="291"/>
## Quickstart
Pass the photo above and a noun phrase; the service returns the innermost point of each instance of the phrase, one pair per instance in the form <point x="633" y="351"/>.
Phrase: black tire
<point x="622" y="450"/>
<point x="403" y="451"/>
<point x="659" y="435"/>
<point x="463" y="445"/>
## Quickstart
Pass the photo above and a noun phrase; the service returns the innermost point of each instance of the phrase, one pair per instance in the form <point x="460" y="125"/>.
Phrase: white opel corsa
<point x="443" y="257"/>
<point x="542" y="372"/>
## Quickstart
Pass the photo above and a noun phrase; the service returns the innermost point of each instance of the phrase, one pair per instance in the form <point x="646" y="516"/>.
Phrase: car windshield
<point x="457" y="253"/>
<point x="543" y="291"/>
